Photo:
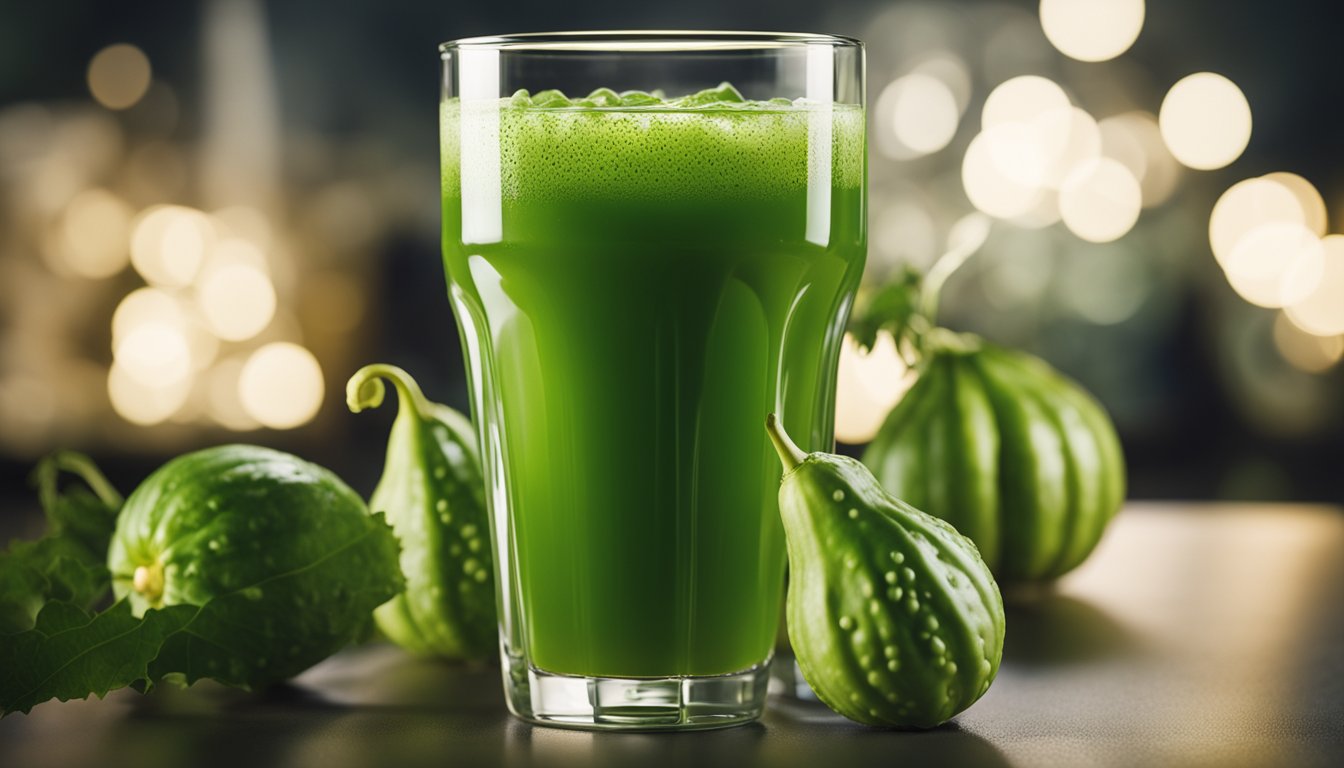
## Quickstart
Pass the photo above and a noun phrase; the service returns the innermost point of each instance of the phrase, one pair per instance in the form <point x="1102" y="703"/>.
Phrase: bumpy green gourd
<point x="1013" y="454"/>
<point x="433" y="494"/>
<point x="893" y="616"/>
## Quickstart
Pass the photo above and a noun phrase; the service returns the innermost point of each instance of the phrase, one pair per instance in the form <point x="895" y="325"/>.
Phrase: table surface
<point x="1196" y="634"/>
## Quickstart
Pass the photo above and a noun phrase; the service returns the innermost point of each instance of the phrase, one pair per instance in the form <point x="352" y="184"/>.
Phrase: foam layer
<point x="711" y="144"/>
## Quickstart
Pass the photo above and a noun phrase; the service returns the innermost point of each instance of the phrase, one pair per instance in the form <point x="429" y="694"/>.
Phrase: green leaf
<point x="35" y="572"/>
<point x="67" y="564"/>
<point x="895" y="307"/>
<point x="86" y="515"/>
<point x="70" y="654"/>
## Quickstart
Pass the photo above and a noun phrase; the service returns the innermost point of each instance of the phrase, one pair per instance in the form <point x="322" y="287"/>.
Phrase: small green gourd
<point x="894" y="618"/>
<point x="433" y="494"/>
<point x="1014" y="454"/>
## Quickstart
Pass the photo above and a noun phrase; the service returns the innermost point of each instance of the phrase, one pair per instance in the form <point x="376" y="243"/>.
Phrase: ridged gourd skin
<point x="433" y="494"/>
<point x="253" y="529"/>
<point x="1009" y="451"/>
<point x="894" y="618"/>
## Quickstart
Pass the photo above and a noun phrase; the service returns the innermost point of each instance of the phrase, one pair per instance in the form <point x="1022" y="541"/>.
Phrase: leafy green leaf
<point x="69" y="654"/>
<point x="35" y="572"/>
<point x="67" y="564"/>
<point x="231" y="638"/>
<point x="86" y="515"/>
<point x="895" y="307"/>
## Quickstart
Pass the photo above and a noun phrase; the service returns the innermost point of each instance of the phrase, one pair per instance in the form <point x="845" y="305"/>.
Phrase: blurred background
<point x="212" y="213"/>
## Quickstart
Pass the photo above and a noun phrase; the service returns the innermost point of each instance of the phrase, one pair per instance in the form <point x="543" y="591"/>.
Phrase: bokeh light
<point x="1276" y="264"/>
<point x="1321" y="312"/>
<point x="1003" y="169"/>
<point x="1205" y="121"/>
<point x="1100" y="200"/>
<point x="281" y="385"/>
<point x="223" y="403"/>
<point x="154" y="354"/>
<point x="1022" y="100"/>
<point x="1305" y="351"/>
<point x="94" y="231"/>
<point x="119" y="75"/>
<point x="1092" y="30"/>
<point x="237" y="300"/>
<point x="169" y="243"/>
<point x="1071" y="137"/>
<point x="145" y="306"/>
<point x="917" y="115"/>
<point x="1246" y="205"/>
<point x="1135" y="140"/>
<point x="868" y="385"/>
<point x="141" y="402"/>
<point x="1308" y="199"/>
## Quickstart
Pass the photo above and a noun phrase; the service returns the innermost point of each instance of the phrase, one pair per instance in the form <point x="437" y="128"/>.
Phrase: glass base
<point x="634" y="704"/>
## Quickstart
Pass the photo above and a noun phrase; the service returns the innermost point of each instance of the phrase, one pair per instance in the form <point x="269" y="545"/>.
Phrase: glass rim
<point x="648" y="41"/>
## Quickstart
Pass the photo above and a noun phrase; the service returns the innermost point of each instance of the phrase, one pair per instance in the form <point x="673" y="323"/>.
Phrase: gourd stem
<point x="789" y="453"/>
<point x="365" y="389"/>
<point x="973" y="234"/>
<point x="76" y="464"/>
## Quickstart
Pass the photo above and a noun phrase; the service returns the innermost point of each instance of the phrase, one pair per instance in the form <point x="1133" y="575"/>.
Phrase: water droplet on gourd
<point x="892" y="697"/>
<point x="951" y="667"/>
<point x="908" y="574"/>
<point x="874" y="607"/>
<point x="933" y="622"/>
<point x="455" y="549"/>
<point x="440" y="473"/>
<point x="446" y="518"/>
<point x="890" y="576"/>
<point x="853" y="514"/>
<point x="481" y="575"/>
<point x="474" y="545"/>
<point x="893" y="665"/>
<point x="912" y="604"/>
<point x="441" y="505"/>
<point x="898" y="557"/>
<point x="470" y="565"/>
<point x="213" y="544"/>
<point x="838" y="495"/>
<point x="850" y="562"/>
<point x="895" y="593"/>
<point x="468" y="531"/>
<point x="939" y="647"/>
<point x="866" y="588"/>
<point x="846" y="623"/>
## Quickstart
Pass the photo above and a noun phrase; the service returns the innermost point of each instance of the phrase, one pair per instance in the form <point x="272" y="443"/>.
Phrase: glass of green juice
<point x="652" y="240"/>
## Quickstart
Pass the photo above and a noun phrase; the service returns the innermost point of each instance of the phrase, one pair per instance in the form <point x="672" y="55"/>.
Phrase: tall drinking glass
<point x="652" y="240"/>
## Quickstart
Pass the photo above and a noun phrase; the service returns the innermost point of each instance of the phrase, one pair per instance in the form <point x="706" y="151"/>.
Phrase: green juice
<point x="637" y="286"/>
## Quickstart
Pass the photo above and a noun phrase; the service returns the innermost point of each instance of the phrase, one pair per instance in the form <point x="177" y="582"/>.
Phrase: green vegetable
<point x="1012" y="453"/>
<point x="67" y="562"/>
<point x="237" y="563"/>
<point x="1016" y="456"/>
<point x="433" y="494"/>
<point x="894" y="618"/>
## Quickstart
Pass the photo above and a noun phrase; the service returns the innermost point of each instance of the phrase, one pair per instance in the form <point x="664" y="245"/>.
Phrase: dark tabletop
<point x="1195" y="635"/>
